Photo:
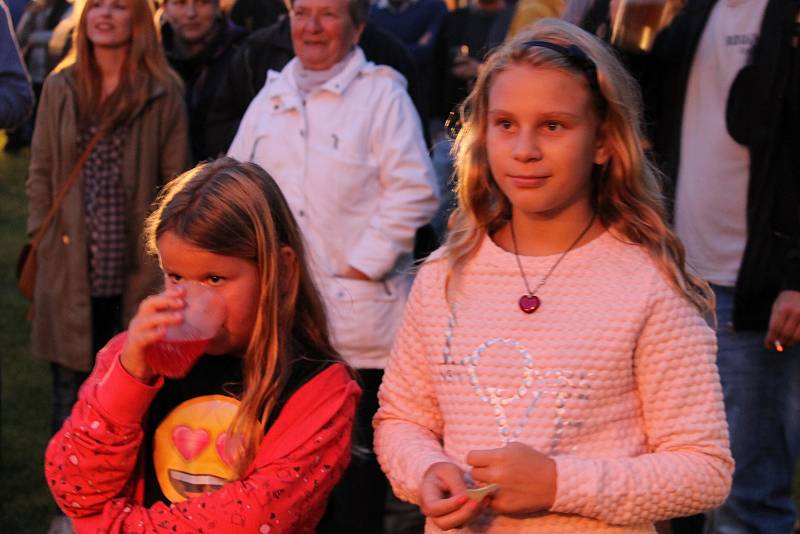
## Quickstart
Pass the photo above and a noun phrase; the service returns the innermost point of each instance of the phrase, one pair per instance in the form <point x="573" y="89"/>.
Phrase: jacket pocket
<point x="364" y="316"/>
<point x="346" y="172"/>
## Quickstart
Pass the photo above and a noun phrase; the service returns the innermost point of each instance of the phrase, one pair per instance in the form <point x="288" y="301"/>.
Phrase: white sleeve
<point x="409" y="195"/>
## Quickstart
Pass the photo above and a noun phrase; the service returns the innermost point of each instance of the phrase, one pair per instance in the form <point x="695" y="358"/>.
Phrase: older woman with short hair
<point x="344" y="142"/>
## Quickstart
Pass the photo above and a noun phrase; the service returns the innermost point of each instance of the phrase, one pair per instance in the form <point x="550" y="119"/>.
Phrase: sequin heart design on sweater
<point x="494" y="395"/>
<point x="190" y="442"/>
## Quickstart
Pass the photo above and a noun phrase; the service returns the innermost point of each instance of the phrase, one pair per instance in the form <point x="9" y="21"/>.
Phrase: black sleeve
<point x="233" y="95"/>
<point x="439" y="99"/>
<point x="266" y="49"/>
<point x="383" y="49"/>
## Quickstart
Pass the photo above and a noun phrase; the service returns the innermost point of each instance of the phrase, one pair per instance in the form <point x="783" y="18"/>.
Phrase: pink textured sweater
<point x="614" y="376"/>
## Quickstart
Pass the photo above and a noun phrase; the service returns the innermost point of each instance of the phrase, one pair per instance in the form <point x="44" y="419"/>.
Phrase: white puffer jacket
<point x="352" y="163"/>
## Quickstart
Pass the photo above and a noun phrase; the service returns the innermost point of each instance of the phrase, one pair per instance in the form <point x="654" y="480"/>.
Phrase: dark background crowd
<point x="721" y="87"/>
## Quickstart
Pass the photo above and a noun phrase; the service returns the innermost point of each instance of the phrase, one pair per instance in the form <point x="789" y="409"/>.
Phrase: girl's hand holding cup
<point x="526" y="478"/>
<point x="171" y="330"/>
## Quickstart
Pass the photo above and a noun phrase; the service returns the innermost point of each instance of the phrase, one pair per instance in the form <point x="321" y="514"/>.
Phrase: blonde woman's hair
<point x="626" y="193"/>
<point x="144" y="63"/>
<point x="236" y="209"/>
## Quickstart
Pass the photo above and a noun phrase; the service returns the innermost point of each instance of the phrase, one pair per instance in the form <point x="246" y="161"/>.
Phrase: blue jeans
<point x="106" y="323"/>
<point x="443" y="166"/>
<point x="762" y="403"/>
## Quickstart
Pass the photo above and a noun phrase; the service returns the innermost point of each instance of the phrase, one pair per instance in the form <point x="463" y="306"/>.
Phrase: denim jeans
<point x="106" y="323"/>
<point x="443" y="166"/>
<point x="762" y="402"/>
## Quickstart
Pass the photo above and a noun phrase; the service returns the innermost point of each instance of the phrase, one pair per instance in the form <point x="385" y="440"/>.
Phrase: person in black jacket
<point x="722" y="91"/>
<point x="271" y="49"/>
<point x="199" y="41"/>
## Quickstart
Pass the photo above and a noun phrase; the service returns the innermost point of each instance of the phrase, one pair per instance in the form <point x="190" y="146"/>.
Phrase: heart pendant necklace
<point x="529" y="302"/>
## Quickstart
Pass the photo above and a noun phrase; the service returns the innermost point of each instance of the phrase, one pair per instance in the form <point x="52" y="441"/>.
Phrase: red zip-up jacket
<point x="93" y="467"/>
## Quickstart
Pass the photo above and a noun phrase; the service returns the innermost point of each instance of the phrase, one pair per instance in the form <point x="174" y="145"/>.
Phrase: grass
<point x="25" y="398"/>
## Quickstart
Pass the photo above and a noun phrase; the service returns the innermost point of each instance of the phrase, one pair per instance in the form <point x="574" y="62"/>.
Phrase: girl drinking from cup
<point x="554" y="354"/>
<point x="256" y="433"/>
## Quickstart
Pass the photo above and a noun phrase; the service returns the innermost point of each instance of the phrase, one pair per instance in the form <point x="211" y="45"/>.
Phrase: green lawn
<point x="25" y="408"/>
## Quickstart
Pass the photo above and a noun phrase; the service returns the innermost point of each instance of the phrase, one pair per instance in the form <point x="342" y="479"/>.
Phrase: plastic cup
<point x="203" y="316"/>
<point x="636" y="23"/>
<point x="458" y="52"/>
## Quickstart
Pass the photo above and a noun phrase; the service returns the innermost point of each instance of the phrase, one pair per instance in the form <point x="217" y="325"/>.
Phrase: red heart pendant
<point x="529" y="303"/>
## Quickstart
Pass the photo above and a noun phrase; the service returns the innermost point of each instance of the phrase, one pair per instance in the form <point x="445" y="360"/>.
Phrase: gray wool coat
<point x="156" y="150"/>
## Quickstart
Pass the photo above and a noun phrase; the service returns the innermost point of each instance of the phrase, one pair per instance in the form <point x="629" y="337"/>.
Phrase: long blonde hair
<point x="236" y="209"/>
<point x="144" y="63"/>
<point x="626" y="193"/>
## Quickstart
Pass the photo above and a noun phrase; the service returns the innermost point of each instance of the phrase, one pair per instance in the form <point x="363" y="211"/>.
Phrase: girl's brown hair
<point x="144" y="63"/>
<point x="236" y="209"/>
<point x="626" y="192"/>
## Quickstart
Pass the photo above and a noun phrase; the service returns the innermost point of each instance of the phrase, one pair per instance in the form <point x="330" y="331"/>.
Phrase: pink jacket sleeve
<point x="91" y="463"/>
<point x="689" y="466"/>
<point x="408" y="425"/>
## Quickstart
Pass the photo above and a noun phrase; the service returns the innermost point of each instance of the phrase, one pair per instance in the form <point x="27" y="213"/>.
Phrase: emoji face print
<point x="191" y="447"/>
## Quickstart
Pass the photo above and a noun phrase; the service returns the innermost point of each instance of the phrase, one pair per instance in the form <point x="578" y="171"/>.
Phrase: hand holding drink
<point x="171" y="331"/>
<point x="636" y="23"/>
<point x="464" y="66"/>
<point x="184" y="343"/>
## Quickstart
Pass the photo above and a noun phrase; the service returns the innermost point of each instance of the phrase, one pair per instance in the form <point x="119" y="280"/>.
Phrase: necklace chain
<point x="531" y="293"/>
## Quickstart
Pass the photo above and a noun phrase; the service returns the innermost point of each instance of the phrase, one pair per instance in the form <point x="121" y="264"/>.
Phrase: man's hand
<point x="784" y="322"/>
<point x="148" y="327"/>
<point x="527" y="478"/>
<point x="465" y="67"/>
<point x="426" y="39"/>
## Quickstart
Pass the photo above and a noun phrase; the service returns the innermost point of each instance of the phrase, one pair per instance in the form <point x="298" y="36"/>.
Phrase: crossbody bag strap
<point x="73" y="175"/>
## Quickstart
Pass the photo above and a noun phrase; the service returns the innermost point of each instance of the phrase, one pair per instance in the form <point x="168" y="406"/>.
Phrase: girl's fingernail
<point x="462" y="499"/>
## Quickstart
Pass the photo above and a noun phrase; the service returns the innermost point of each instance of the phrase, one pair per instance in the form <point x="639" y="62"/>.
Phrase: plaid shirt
<point x="104" y="203"/>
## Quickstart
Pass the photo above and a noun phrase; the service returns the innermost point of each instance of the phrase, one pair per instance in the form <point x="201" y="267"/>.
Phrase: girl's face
<point x="236" y="280"/>
<point x="108" y="23"/>
<point x="542" y="139"/>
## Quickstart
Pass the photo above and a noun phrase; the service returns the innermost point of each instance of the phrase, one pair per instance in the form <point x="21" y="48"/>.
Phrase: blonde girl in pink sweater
<point x="555" y="349"/>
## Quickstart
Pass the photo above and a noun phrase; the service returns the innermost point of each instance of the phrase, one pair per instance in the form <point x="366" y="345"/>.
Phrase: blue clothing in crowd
<point x="16" y="7"/>
<point x="16" y="97"/>
<point x="409" y="21"/>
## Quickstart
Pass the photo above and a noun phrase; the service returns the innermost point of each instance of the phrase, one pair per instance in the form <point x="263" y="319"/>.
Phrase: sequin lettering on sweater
<point x="559" y="383"/>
